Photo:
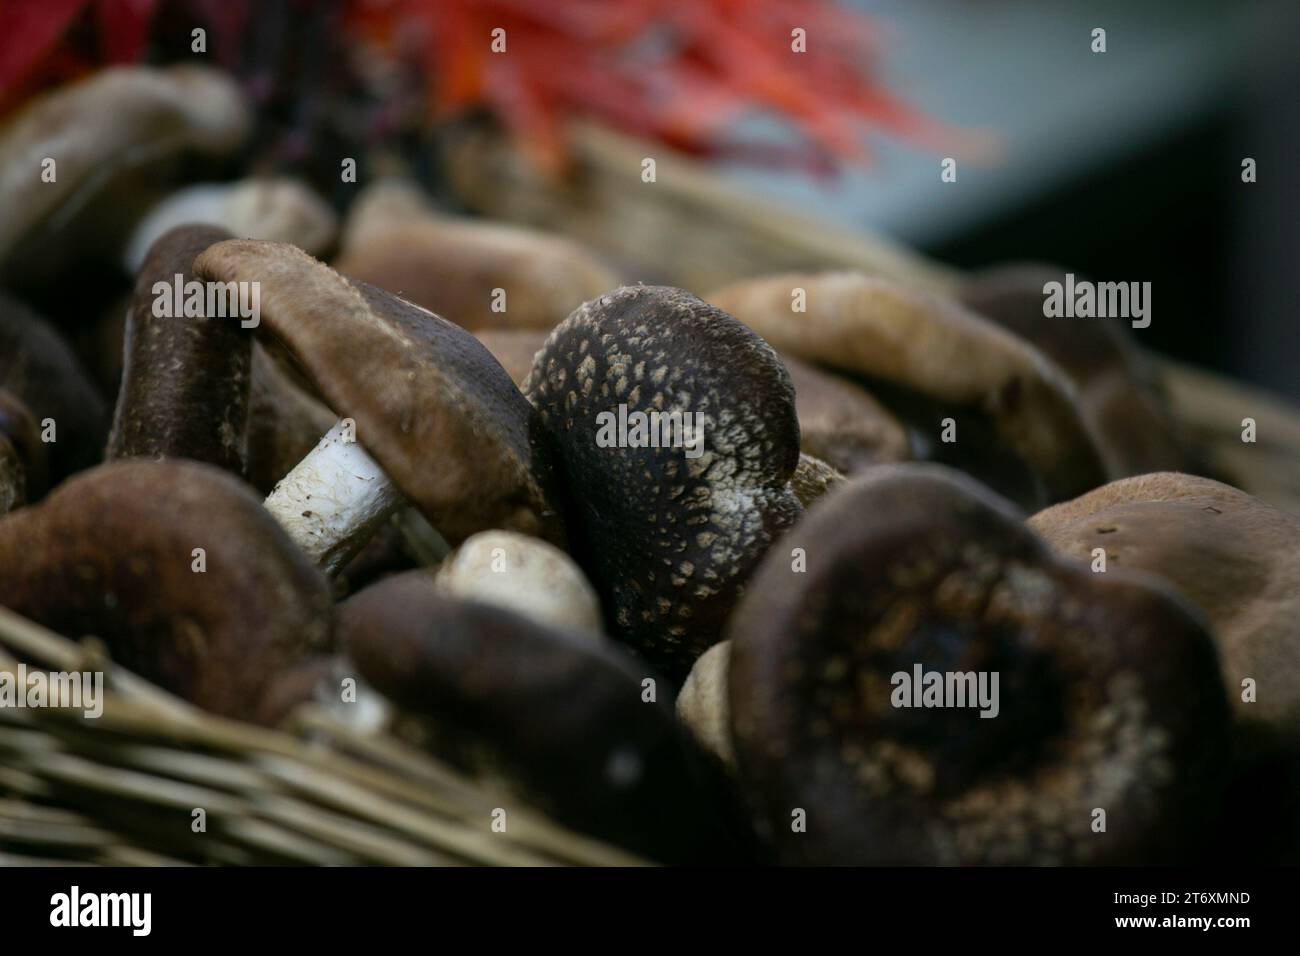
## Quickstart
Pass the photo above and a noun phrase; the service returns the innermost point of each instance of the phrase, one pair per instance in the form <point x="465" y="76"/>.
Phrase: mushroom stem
<point x="333" y="500"/>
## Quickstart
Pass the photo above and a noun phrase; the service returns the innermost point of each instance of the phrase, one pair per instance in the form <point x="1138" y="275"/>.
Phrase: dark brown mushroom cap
<point x="841" y="423"/>
<point x="1118" y="391"/>
<point x="39" y="368"/>
<point x="669" y="541"/>
<point x="431" y="405"/>
<point x="933" y="346"/>
<point x="1234" y="557"/>
<point x="185" y="384"/>
<point x="25" y="455"/>
<point x="110" y="553"/>
<point x="112" y="137"/>
<point x="454" y="266"/>
<point x="284" y="422"/>
<point x="1109" y="694"/>
<point x="558" y="716"/>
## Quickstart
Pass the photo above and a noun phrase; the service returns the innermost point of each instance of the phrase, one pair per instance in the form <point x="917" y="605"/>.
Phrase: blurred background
<point x="1123" y="165"/>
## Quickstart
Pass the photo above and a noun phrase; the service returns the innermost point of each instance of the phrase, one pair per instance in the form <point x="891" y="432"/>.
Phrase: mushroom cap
<point x="26" y="463"/>
<point x="560" y="717"/>
<point x="702" y="705"/>
<point x="453" y="266"/>
<point x="111" y="553"/>
<point x="1118" y="391"/>
<point x="878" y="328"/>
<point x="13" y="481"/>
<point x="262" y="207"/>
<point x="813" y="478"/>
<point x="515" y="349"/>
<point x="284" y="422"/>
<point x="1108" y="690"/>
<point x="119" y="119"/>
<point x="525" y="575"/>
<point x="185" y="382"/>
<point x="669" y="540"/>
<point x="1231" y="555"/>
<point x="416" y="385"/>
<point x="841" y="423"/>
<point x="42" y="372"/>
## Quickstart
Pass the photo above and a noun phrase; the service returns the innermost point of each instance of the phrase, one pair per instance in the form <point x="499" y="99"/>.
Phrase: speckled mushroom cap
<point x="39" y="369"/>
<point x="1118" y="392"/>
<point x="96" y="130"/>
<point x="669" y="541"/>
<point x="416" y="385"/>
<point x="1231" y="555"/>
<point x="185" y="382"/>
<point x="933" y="346"/>
<point x="111" y="553"/>
<point x="562" y="719"/>
<point x="841" y="423"/>
<point x="453" y="266"/>
<point x="1109" y="695"/>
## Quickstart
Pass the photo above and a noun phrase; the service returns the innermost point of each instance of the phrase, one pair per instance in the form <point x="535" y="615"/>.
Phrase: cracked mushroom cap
<point x="932" y="346"/>
<point x="1118" y="392"/>
<point x="111" y="553"/>
<point x="431" y="405"/>
<point x="668" y="539"/>
<point x="454" y="267"/>
<point x="841" y="423"/>
<point x="1108" y="694"/>
<point x="118" y="125"/>
<point x="1231" y="555"/>
<point x="562" y="719"/>
<point x="39" y="370"/>
<point x="185" y="382"/>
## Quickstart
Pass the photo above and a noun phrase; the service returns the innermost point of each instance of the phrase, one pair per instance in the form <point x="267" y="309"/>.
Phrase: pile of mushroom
<point x="736" y="638"/>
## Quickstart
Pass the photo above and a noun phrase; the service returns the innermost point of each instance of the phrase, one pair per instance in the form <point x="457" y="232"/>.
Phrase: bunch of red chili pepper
<point x="679" y="72"/>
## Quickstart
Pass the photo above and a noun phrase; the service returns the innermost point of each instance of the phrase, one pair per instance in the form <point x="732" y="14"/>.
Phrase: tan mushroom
<point x="932" y="346"/>
<point x="1234" y="557"/>
<point x="477" y="274"/>
<point x="113" y="139"/>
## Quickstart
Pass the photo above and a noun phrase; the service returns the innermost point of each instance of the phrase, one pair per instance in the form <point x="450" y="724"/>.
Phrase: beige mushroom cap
<point x="525" y="575"/>
<point x="455" y="266"/>
<point x="703" y="705"/>
<point x="1231" y="555"/>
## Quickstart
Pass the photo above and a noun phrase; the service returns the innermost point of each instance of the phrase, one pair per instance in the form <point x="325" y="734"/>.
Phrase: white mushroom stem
<point x="333" y="500"/>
